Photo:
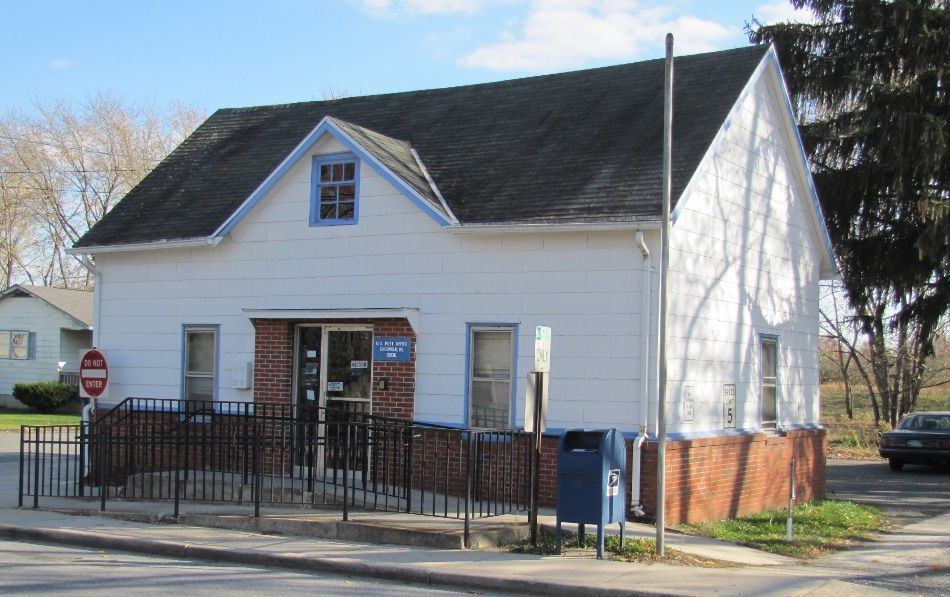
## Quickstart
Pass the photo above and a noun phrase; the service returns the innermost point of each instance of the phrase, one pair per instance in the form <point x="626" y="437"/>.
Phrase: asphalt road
<point x="913" y="494"/>
<point x="33" y="569"/>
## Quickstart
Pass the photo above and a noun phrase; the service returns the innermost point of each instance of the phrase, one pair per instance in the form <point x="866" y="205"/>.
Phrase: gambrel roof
<point x="581" y="147"/>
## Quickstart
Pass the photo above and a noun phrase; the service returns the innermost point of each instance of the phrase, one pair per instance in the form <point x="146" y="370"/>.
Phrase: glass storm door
<point x="349" y="360"/>
<point x="309" y="342"/>
<point x="334" y="366"/>
<point x="334" y="369"/>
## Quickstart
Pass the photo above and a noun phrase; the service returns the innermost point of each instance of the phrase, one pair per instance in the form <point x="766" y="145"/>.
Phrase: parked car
<point x="920" y="438"/>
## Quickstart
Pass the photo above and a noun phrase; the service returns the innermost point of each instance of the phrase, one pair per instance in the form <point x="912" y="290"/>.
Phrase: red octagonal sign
<point x="93" y="373"/>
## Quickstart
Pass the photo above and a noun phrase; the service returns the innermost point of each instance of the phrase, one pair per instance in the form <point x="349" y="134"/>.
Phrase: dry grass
<point x="857" y="438"/>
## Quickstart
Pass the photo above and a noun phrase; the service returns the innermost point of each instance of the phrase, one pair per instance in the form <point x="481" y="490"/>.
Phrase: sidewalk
<point x="474" y="570"/>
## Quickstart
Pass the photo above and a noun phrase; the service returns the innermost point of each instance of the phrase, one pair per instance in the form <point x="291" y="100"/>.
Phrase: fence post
<point x="22" y="437"/>
<point x="81" y="467"/>
<point x="346" y="473"/>
<point x="468" y="488"/>
<point x="258" y="470"/>
<point x="407" y="464"/>
<point x="244" y="447"/>
<point x="177" y="469"/>
<point x="106" y="450"/>
<point x="36" y="469"/>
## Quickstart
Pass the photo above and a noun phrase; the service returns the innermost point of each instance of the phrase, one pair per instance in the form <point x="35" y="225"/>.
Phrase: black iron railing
<point x="245" y="453"/>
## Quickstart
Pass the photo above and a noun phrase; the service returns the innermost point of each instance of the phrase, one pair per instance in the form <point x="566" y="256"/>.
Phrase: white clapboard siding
<point x="585" y="285"/>
<point x="745" y="261"/>
<point x="26" y="313"/>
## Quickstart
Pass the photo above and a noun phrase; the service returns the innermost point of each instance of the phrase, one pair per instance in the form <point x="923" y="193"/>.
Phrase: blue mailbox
<point x="591" y="481"/>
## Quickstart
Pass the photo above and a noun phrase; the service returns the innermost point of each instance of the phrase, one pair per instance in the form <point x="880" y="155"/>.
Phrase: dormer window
<point x="335" y="193"/>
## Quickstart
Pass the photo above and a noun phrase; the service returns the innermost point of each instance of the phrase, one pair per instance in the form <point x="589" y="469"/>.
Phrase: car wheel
<point x="896" y="464"/>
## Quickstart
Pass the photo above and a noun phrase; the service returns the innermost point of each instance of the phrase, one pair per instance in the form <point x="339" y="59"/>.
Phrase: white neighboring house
<point x="42" y="331"/>
<point x="457" y="220"/>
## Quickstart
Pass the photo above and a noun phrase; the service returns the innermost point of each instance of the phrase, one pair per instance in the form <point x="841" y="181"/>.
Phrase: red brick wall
<point x="725" y="477"/>
<point x="274" y="362"/>
<point x="722" y="477"/>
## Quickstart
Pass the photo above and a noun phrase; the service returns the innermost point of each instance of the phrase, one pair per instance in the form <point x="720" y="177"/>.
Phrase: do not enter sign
<point x="93" y="374"/>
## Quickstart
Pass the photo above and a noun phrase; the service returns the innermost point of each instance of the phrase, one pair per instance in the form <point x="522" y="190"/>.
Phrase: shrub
<point x="45" y="397"/>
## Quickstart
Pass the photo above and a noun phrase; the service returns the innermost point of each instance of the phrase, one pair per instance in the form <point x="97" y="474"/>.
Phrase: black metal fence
<point x="246" y="453"/>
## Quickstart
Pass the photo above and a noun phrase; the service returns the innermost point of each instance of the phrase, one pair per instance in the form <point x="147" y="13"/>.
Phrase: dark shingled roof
<point x="577" y="147"/>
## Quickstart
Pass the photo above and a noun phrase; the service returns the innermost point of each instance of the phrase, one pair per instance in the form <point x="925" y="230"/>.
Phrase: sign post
<point x="93" y="374"/>
<point x="542" y="365"/>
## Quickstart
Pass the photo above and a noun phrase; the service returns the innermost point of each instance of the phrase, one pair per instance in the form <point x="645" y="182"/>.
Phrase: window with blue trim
<point x="200" y="362"/>
<point x="491" y="376"/>
<point x="335" y="190"/>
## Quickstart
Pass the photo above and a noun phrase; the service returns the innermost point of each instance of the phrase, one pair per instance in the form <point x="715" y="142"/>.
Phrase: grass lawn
<point x="11" y="419"/>
<point x="857" y="438"/>
<point x="818" y="528"/>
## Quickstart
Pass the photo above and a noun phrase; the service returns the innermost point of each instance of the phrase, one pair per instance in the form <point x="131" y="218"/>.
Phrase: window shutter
<point x="31" y="347"/>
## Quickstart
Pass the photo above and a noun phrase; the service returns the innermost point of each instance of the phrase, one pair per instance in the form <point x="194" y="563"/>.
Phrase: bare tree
<point x="65" y="166"/>
<point x="890" y="361"/>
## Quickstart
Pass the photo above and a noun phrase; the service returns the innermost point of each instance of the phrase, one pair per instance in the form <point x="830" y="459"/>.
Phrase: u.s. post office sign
<point x="392" y="348"/>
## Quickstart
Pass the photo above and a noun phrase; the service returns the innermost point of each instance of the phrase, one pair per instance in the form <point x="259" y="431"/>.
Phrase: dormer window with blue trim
<point x="335" y="194"/>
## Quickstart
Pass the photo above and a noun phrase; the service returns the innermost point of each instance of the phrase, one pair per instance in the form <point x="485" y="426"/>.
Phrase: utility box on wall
<point x="591" y="480"/>
<point x="242" y="375"/>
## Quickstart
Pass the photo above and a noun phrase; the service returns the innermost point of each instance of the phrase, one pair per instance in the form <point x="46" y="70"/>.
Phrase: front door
<point x="333" y="369"/>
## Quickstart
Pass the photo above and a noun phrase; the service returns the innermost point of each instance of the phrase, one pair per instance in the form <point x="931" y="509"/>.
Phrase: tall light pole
<point x="664" y="271"/>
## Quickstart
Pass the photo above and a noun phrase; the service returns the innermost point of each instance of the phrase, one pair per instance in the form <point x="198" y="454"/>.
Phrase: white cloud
<point x="60" y="63"/>
<point x="412" y="8"/>
<point x="564" y="33"/>
<point x="782" y="11"/>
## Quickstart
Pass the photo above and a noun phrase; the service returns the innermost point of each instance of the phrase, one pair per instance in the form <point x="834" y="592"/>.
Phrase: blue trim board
<point x="319" y="160"/>
<point x="513" y="418"/>
<point x="327" y="126"/>
<point x="468" y="373"/>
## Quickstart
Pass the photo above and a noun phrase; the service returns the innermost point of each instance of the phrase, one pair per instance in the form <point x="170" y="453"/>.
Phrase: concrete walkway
<point x="485" y="570"/>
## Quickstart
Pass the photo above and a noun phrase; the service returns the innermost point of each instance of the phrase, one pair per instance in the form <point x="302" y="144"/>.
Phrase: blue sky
<point x="212" y="54"/>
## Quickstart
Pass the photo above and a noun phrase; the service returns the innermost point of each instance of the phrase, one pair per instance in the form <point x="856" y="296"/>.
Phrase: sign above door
<point x="392" y="348"/>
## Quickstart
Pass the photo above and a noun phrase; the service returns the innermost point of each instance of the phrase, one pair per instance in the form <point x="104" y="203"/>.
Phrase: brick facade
<point x="274" y="362"/>
<point x="712" y="478"/>
<point x="725" y="477"/>
<point x="720" y="477"/>
<point x="707" y="478"/>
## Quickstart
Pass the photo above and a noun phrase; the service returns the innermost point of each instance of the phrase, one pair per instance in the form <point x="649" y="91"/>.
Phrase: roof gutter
<point x="203" y="241"/>
<point x="553" y="227"/>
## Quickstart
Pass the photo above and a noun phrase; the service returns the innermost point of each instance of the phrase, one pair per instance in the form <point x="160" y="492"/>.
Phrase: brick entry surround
<point x="274" y="363"/>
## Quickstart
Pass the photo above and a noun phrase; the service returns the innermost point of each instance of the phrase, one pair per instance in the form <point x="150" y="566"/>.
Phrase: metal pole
<point x="536" y="456"/>
<point x="791" y="501"/>
<point x="664" y="270"/>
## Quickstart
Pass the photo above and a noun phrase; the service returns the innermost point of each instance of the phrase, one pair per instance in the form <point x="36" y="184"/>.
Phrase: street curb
<point x="402" y="573"/>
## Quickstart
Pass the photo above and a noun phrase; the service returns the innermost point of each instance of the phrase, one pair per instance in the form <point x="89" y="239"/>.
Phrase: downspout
<point x="636" y="503"/>
<point x="90" y="408"/>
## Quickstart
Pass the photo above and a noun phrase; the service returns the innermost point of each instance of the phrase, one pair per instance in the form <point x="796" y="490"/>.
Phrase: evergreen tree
<point x="869" y="80"/>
